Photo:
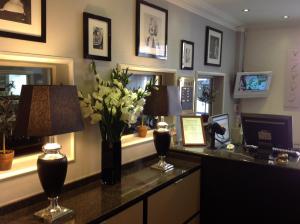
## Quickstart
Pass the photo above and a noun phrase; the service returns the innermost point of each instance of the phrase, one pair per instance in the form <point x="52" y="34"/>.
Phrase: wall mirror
<point x="212" y="103"/>
<point x="19" y="69"/>
<point x="19" y="76"/>
<point x="12" y="78"/>
<point x="139" y="78"/>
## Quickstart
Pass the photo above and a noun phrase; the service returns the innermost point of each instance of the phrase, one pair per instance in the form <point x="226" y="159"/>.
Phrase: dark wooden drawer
<point x="132" y="215"/>
<point x="177" y="202"/>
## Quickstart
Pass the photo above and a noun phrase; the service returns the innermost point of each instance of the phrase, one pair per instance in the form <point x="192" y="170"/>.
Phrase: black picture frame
<point x="213" y="47"/>
<point x="31" y="23"/>
<point x="155" y="44"/>
<point x="96" y="39"/>
<point x="187" y="55"/>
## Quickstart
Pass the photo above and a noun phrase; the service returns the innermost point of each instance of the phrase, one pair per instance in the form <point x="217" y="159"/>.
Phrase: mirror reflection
<point x="137" y="81"/>
<point x="11" y="81"/>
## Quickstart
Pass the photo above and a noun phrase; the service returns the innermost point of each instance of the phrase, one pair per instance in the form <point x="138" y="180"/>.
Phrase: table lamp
<point x="47" y="111"/>
<point x="163" y="101"/>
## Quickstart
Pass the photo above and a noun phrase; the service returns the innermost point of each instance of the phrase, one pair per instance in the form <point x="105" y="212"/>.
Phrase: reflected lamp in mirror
<point x="48" y="110"/>
<point x="163" y="101"/>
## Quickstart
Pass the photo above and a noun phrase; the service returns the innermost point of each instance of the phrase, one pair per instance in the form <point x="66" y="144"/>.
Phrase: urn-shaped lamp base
<point x="54" y="212"/>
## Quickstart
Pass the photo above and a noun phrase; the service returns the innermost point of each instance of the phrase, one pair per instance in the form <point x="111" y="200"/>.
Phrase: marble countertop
<point x="239" y="154"/>
<point x="95" y="202"/>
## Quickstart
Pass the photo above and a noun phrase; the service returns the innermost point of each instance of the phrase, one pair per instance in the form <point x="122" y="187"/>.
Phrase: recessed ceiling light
<point x="286" y="17"/>
<point x="246" y="10"/>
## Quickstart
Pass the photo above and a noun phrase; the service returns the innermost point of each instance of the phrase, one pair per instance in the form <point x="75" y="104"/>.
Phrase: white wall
<point x="267" y="50"/>
<point x="64" y="38"/>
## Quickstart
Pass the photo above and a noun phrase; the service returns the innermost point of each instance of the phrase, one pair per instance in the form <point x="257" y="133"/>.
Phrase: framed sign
<point x="23" y="19"/>
<point x="151" y="30"/>
<point x="96" y="37"/>
<point x="187" y="55"/>
<point x="213" y="47"/>
<point x="192" y="131"/>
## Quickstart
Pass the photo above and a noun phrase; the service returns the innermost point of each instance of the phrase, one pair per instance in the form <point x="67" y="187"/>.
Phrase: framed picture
<point x="23" y="19"/>
<point x="96" y="37"/>
<point x="213" y="47"/>
<point x="187" y="55"/>
<point x="151" y="30"/>
<point x="192" y="131"/>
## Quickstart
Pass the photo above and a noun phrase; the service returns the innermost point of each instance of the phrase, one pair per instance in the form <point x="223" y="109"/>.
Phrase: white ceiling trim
<point x="209" y="12"/>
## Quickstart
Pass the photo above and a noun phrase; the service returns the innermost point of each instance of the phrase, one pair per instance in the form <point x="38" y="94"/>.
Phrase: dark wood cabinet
<point x="177" y="202"/>
<point x="132" y="215"/>
<point x="243" y="192"/>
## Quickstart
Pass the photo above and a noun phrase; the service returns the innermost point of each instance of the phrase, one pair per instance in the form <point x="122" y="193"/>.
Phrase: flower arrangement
<point x="112" y="105"/>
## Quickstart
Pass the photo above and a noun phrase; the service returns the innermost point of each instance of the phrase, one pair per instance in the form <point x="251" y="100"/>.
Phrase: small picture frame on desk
<point x="193" y="133"/>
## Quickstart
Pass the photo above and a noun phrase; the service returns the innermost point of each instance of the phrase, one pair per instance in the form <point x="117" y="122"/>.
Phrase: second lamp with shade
<point x="163" y="101"/>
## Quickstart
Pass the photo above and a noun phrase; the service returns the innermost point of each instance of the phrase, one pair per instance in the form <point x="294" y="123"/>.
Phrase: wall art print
<point x="96" y="37"/>
<point x="213" y="47"/>
<point x="151" y="30"/>
<point x="23" y="19"/>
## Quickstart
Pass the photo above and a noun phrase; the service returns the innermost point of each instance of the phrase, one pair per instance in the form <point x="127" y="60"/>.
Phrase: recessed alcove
<point x="218" y="85"/>
<point x="62" y="72"/>
<point x="134" y="147"/>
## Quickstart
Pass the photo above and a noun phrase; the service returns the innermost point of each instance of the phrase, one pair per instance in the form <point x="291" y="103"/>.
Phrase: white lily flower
<point x="113" y="110"/>
<point x="95" y="118"/>
<point x="98" y="105"/>
<point x="88" y="99"/>
<point x="87" y="111"/>
<point x="79" y="94"/>
<point x="97" y="77"/>
<point x="141" y="102"/>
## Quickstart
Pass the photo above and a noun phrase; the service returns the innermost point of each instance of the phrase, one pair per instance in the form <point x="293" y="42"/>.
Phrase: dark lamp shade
<point x="163" y="102"/>
<point x="48" y="110"/>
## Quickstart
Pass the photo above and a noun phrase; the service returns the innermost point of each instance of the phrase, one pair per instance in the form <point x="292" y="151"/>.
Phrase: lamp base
<point x="162" y="165"/>
<point x="54" y="212"/>
<point x="52" y="216"/>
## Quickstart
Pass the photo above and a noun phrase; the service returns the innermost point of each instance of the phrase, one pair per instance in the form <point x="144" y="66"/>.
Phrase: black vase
<point x="52" y="169"/>
<point x="111" y="162"/>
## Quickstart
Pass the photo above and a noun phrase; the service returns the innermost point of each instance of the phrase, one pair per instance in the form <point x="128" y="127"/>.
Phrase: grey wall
<point x="64" y="38"/>
<point x="267" y="50"/>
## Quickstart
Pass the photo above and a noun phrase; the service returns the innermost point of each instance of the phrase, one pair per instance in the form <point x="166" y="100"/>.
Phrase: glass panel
<point x="203" y="89"/>
<point x="137" y="81"/>
<point x="11" y="81"/>
<point x="17" y="81"/>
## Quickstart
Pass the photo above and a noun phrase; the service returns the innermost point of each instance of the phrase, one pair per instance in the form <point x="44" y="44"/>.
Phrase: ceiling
<point x="230" y="14"/>
<point x="261" y="11"/>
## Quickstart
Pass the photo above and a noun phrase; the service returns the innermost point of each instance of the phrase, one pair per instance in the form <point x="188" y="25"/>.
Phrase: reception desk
<point x="213" y="186"/>
<point x="237" y="188"/>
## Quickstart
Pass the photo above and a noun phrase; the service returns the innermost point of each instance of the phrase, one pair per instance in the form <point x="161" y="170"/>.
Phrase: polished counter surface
<point x="95" y="202"/>
<point x="239" y="154"/>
